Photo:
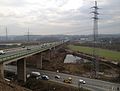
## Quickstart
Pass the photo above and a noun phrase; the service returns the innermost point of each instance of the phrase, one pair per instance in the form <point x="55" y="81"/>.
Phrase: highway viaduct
<point x="20" y="58"/>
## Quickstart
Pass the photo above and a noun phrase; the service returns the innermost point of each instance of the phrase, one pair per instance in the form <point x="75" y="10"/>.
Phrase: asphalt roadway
<point x="18" y="49"/>
<point x="91" y="84"/>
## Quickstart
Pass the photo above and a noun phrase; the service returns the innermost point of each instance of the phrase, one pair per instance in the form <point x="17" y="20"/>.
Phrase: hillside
<point x="8" y="86"/>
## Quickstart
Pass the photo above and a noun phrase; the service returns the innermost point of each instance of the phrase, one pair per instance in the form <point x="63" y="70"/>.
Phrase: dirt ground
<point x="8" y="86"/>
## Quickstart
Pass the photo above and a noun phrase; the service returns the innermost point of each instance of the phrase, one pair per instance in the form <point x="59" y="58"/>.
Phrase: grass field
<point x="113" y="55"/>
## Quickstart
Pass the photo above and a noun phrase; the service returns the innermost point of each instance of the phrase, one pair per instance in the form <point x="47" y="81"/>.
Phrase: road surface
<point x="21" y="53"/>
<point x="91" y="84"/>
<point x="18" y="49"/>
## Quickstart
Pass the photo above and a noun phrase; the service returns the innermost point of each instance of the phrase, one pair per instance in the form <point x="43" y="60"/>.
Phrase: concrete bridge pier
<point x="49" y="54"/>
<point x="46" y="55"/>
<point x="53" y="52"/>
<point x="21" y="70"/>
<point x="1" y="70"/>
<point x="39" y="61"/>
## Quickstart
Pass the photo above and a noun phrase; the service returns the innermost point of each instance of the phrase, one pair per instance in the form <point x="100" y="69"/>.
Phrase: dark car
<point x="57" y="76"/>
<point x="28" y="49"/>
<point x="23" y="46"/>
<point x="45" y="77"/>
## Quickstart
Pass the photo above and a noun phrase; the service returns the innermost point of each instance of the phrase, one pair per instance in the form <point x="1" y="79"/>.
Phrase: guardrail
<point x="27" y="52"/>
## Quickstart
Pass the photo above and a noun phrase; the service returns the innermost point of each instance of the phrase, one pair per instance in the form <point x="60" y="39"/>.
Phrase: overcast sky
<point x="44" y="17"/>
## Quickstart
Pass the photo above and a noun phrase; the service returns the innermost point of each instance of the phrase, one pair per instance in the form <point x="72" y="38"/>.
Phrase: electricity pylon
<point x="95" y="41"/>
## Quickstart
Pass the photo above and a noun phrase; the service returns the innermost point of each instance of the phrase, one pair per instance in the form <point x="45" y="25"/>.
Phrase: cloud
<point x="58" y="16"/>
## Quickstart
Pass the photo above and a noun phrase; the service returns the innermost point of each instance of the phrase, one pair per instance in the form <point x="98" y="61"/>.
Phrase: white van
<point x="33" y="74"/>
<point x="2" y="52"/>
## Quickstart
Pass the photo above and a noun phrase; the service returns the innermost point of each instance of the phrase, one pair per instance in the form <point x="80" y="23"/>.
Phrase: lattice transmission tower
<point x="95" y="69"/>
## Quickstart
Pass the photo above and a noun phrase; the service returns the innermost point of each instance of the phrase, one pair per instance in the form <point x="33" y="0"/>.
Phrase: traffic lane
<point x="89" y="87"/>
<point x="92" y="83"/>
<point x="74" y="81"/>
<point x="99" y="83"/>
<point x="31" y="48"/>
<point x="21" y="50"/>
<point x="88" y="84"/>
<point x="50" y="74"/>
<point x="18" y="48"/>
<point x="12" y="53"/>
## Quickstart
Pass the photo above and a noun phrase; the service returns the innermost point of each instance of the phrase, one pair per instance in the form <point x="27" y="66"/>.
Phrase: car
<point x="33" y="74"/>
<point x="23" y="46"/>
<point x="57" y="76"/>
<point x="2" y="52"/>
<point x="82" y="81"/>
<point x="68" y="80"/>
<point x="28" y="75"/>
<point x="44" y="77"/>
<point x="8" y="80"/>
<point x="28" y="49"/>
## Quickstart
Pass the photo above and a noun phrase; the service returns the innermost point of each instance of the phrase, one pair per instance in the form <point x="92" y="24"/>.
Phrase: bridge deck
<point x="25" y="53"/>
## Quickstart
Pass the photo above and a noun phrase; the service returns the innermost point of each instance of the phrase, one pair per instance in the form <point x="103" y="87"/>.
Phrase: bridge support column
<point x="39" y="61"/>
<point x="1" y="71"/>
<point x="53" y="52"/>
<point x="21" y="70"/>
<point x="49" y="56"/>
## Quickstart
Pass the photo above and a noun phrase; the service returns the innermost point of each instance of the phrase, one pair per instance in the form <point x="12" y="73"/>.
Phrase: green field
<point x="108" y="54"/>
